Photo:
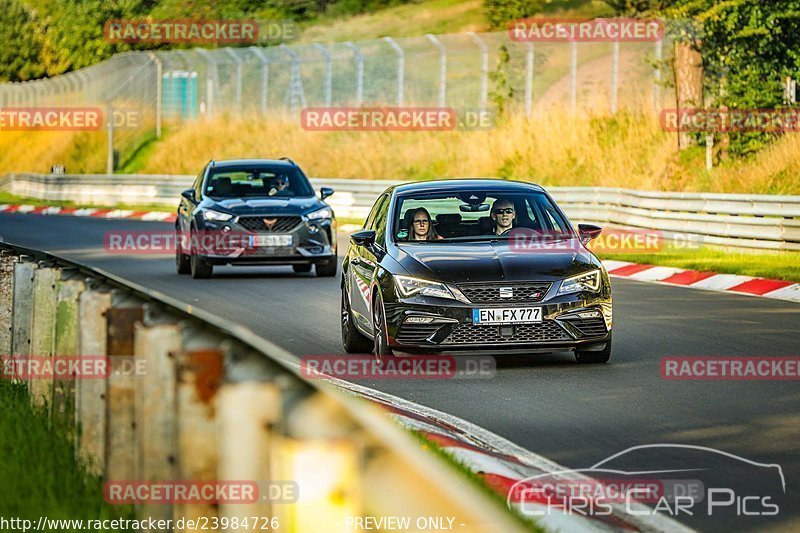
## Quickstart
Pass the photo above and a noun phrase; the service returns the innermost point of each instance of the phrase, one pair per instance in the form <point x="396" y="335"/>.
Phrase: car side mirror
<point x="587" y="232"/>
<point x="324" y="192"/>
<point x="364" y="238"/>
<point x="190" y="195"/>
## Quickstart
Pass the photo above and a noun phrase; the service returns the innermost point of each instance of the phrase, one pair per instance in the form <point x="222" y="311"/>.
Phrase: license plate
<point x="509" y="315"/>
<point x="270" y="240"/>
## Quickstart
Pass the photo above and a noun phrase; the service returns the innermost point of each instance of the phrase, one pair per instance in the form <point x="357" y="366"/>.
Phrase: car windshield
<point x="261" y="181"/>
<point x="469" y="215"/>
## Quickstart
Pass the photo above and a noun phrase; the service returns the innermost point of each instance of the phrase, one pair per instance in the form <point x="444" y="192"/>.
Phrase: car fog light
<point x="313" y="229"/>
<point x="226" y="229"/>
<point x="589" y="314"/>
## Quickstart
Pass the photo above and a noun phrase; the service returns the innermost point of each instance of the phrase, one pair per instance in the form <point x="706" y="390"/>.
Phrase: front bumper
<point x="312" y="242"/>
<point x="429" y="324"/>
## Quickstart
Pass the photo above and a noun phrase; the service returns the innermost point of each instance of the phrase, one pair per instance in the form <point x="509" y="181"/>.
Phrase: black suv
<point x="254" y="212"/>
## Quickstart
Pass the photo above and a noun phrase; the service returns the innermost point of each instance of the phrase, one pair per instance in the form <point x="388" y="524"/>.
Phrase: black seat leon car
<point x="466" y="265"/>
<point x="254" y="212"/>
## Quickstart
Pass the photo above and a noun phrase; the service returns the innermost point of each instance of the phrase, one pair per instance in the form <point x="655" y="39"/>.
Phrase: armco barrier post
<point x="199" y="368"/>
<point x="6" y="301"/>
<point x="66" y="344"/>
<point x="120" y="436"/>
<point x="90" y="412"/>
<point x="247" y="413"/>
<point x="156" y="340"/>
<point x="323" y="452"/>
<point x="23" y="306"/>
<point x="43" y="330"/>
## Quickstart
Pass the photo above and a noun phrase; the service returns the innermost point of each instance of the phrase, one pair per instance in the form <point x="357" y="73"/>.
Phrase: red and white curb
<point x="501" y="463"/>
<point x="709" y="281"/>
<point x="693" y="279"/>
<point x="92" y="212"/>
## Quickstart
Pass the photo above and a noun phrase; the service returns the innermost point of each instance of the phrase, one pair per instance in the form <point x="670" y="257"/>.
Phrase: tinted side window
<point x="379" y="224"/>
<point x="369" y="223"/>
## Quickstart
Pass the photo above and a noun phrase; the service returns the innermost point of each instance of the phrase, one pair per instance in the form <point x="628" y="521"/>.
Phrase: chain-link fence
<point x="138" y="91"/>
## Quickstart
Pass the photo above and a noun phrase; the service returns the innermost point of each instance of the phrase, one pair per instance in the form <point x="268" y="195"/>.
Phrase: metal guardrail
<point x="191" y="397"/>
<point x="736" y="220"/>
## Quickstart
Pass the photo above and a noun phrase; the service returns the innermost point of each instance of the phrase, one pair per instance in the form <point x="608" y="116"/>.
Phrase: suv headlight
<point x="588" y="281"/>
<point x="216" y="215"/>
<point x="408" y="286"/>
<point x="325" y="212"/>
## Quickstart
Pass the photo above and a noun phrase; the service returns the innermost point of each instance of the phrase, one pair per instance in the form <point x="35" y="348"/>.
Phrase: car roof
<point x="477" y="184"/>
<point x="243" y="162"/>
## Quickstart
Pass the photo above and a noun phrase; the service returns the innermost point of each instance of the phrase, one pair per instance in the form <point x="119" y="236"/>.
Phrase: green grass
<point x="474" y="479"/>
<point x="763" y="264"/>
<point x="39" y="475"/>
<point x="8" y="198"/>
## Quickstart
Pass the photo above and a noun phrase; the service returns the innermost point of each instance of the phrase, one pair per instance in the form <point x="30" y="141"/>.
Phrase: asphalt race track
<point x="574" y="415"/>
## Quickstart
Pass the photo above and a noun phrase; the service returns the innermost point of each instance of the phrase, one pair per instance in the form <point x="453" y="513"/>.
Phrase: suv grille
<point x="547" y="331"/>
<point x="490" y="293"/>
<point x="281" y="224"/>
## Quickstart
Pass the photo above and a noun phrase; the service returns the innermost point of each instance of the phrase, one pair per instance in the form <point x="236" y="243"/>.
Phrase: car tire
<point x="182" y="265"/>
<point x="200" y="268"/>
<point x="327" y="270"/>
<point x="353" y="340"/>
<point x="586" y="357"/>
<point x="301" y="268"/>
<point x="380" y="342"/>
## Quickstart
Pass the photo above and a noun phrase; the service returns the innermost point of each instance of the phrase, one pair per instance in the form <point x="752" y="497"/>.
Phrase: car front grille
<point x="588" y="327"/>
<point x="416" y="333"/>
<point x="546" y="331"/>
<point x="502" y="292"/>
<point x="268" y="224"/>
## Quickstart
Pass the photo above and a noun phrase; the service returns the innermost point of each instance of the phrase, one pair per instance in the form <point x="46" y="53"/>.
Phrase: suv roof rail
<point x="288" y="159"/>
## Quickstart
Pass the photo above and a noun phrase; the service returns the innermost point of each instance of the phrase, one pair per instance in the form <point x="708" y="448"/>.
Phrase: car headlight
<point x="588" y="281"/>
<point x="325" y="212"/>
<point x="408" y="286"/>
<point x="216" y="215"/>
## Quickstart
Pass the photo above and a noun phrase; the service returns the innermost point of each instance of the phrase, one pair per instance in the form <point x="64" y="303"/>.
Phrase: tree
<point x="19" y="43"/>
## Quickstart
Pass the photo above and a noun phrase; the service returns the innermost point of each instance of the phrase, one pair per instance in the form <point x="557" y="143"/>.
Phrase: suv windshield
<point x="258" y="181"/>
<point x="475" y="216"/>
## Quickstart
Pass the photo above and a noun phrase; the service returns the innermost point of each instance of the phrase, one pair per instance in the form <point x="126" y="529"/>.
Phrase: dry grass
<point x="628" y="150"/>
<point x="37" y="151"/>
<point x="554" y="148"/>
<point x="417" y="18"/>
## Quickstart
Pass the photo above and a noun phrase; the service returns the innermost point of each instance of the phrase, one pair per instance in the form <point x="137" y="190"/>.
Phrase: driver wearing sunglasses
<point x="503" y="215"/>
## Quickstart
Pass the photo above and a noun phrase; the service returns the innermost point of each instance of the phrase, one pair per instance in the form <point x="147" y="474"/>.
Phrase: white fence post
<point x="442" y="68"/>
<point x="401" y="68"/>
<point x="573" y="76"/>
<point x="529" y="57"/>
<point x="657" y="75"/>
<point x="159" y="89"/>
<point x="359" y="72"/>
<point x="264" y="77"/>
<point x="614" y="77"/>
<point x="328" y="73"/>
<point x="484" y="68"/>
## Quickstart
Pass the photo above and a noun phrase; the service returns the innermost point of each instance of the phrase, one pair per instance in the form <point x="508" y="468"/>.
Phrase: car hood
<point x="493" y="261"/>
<point x="271" y="206"/>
